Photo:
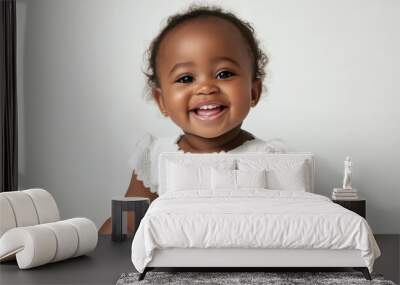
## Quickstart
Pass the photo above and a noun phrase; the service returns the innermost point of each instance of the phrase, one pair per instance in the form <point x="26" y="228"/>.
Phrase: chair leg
<point x="143" y="274"/>
<point x="364" y="271"/>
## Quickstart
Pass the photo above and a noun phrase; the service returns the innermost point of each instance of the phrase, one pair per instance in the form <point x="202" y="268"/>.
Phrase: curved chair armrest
<point x="40" y="244"/>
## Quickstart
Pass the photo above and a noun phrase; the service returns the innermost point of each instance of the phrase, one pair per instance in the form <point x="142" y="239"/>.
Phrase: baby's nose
<point x="207" y="88"/>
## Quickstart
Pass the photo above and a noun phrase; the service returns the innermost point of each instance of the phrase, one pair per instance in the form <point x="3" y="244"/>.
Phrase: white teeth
<point x="205" y="107"/>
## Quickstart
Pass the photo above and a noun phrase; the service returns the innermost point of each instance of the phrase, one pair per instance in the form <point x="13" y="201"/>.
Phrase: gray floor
<point x="111" y="259"/>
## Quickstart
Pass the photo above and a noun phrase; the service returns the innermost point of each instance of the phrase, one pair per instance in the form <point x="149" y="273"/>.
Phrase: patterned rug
<point x="269" y="278"/>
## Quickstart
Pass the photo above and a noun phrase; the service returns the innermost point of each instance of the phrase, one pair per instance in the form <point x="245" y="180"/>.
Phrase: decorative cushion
<point x="236" y="179"/>
<point x="223" y="179"/>
<point x="251" y="178"/>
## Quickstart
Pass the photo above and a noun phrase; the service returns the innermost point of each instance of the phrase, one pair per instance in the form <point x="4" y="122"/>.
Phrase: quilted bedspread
<point x="252" y="218"/>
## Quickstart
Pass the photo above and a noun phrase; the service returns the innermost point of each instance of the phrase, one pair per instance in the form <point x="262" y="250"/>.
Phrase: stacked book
<point x="344" y="194"/>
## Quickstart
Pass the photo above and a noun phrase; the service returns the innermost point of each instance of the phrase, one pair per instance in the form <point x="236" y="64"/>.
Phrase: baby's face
<point x="205" y="72"/>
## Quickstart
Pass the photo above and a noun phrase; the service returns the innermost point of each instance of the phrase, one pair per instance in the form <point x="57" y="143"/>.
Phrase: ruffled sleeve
<point x="275" y="146"/>
<point x="140" y="160"/>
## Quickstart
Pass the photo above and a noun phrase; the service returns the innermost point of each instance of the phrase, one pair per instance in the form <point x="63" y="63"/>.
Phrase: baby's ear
<point x="158" y="97"/>
<point x="256" y="89"/>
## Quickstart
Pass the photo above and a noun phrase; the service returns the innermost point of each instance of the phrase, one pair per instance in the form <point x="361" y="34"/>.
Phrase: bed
<point x="244" y="211"/>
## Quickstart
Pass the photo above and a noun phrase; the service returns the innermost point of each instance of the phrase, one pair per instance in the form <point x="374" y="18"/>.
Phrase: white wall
<point x="332" y="91"/>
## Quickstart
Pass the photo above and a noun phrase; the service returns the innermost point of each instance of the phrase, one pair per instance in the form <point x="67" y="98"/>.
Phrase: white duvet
<point x="250" y="219"/>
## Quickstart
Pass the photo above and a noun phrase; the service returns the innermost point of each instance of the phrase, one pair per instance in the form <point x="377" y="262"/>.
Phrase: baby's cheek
<point x="241" y="102"/>
<point x="181" y="118"/>
<point x="240" y="112"/>
<point x="177" y="106"/>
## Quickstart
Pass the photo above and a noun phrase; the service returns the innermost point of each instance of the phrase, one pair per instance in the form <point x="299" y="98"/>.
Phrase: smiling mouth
<point x="208" y="112"/>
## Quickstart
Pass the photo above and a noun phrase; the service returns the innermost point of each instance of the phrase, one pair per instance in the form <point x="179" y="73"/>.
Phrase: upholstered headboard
<point x="282" y="163"/>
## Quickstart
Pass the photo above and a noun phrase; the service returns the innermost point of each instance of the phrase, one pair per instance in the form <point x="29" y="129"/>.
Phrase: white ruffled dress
<point x="144" y="157"/>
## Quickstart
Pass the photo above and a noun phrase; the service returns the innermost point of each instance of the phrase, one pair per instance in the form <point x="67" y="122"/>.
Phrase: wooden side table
<point x="358" y="206"/>
<point x="139" y="205"/>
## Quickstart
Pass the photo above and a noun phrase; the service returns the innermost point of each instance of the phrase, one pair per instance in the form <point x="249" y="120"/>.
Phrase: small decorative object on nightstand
<point x="347" y="192"/>
<point x="347" y="173"/>
<point x="358" y="206"/>
<point x="139" y="205"/>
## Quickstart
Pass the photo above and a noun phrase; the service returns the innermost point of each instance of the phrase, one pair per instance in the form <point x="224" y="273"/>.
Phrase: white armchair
<point x="32" y="233"/>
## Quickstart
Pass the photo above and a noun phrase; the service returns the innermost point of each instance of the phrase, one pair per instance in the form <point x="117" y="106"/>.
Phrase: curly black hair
<point x="260" y="59"/>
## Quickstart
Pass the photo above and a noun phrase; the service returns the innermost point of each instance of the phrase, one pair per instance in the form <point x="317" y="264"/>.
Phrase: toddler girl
<point x="205" y="73"/>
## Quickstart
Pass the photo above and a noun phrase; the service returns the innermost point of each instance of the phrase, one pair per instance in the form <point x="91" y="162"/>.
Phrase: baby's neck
<point x="226" y="142"/>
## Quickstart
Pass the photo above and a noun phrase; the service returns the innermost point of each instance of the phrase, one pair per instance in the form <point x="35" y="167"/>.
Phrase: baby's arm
<point x="135" y="189"/>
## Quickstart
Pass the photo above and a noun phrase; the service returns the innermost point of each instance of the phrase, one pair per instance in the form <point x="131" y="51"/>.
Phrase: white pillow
<point x="282" y="174"/>
<point x="292" y="178"/>
<point x="251" y="178"/>
<point x="237" y="179"/>
<point x="192" y="174"/>
<point x="181" y="177"/>
<point x="223" y="179"/>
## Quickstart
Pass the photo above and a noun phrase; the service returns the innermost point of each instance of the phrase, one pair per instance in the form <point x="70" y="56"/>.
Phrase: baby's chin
<point x="210" y="133"/>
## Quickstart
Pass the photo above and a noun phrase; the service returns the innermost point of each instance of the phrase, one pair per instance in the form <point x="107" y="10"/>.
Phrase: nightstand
<point x="358" y="206"/>
<point x="119" y="205"/>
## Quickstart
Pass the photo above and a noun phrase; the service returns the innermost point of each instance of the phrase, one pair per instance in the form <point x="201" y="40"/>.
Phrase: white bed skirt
<point x="235" y="257"/>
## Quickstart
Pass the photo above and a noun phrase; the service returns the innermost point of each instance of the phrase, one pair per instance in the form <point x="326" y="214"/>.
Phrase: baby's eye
<point x="185" y="79"/>
<point x="225" y="74"/>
